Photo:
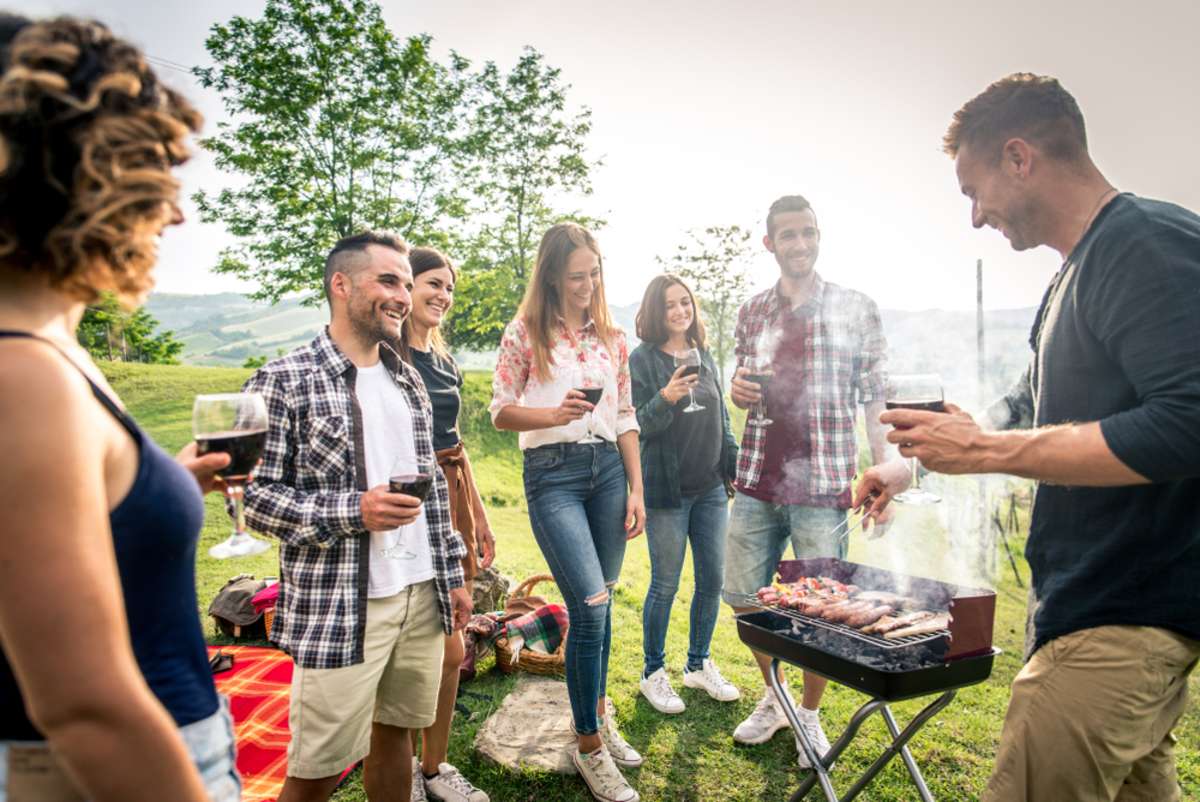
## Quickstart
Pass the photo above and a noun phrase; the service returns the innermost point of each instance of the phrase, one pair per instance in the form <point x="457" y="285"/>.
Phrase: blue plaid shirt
<point x="307" y="492"/>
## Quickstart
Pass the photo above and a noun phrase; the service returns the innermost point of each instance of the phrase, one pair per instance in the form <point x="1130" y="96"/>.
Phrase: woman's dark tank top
<point x="155" y="530"/>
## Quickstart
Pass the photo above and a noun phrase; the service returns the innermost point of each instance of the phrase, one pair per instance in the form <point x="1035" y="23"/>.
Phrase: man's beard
<point x="370" y="330"/>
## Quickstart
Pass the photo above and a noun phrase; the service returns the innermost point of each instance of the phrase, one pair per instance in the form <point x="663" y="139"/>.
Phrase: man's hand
<point x="878" y="485"/>
<point x="460" y="604"/>
<point x="945" y="442"/>
<point x="486" y="543"/>
<point x="383" y="510"/>
<point x="744" y="394"/>
<point x="204" y="468"/>
<point x="635" y="515"/>
<point x="573" y="407"/>
<point x="678" y="386"/>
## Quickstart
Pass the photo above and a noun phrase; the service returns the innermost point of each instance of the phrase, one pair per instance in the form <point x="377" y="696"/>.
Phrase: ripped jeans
<point x="576" y="496"/>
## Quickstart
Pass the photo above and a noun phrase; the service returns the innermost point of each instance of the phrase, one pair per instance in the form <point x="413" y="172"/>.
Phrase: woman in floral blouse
<point x="579" y="459"/>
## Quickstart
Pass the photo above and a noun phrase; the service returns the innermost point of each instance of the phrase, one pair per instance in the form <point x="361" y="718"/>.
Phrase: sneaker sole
<point x="662" y="710"/>
<point x="762" y="739"/>
<point x="627" y="764"/>
<point x="636" y="796"/>
<point x="698" y="686"/>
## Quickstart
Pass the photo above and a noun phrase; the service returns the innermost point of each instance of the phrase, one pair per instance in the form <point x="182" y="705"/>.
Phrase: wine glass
<point x="689" y="360"/>
<point x="921" y="391"/>
<point x="235" y="423"/>
<point x="412" y="476"/>
<point x="591" y="384"/>
<point x="761" y="373"/>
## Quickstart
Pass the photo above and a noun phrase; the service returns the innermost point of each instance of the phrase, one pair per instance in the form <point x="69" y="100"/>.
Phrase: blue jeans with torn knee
<point x="576" y="495"/>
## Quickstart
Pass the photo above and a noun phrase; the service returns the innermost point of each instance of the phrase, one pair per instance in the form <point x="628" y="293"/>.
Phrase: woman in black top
<point x="688" y="459"/>
<point x="101" y="652"/>
<point x="423" y="346"/>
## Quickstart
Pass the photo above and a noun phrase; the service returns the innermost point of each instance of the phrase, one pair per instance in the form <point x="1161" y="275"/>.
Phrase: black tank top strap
<point x="104" y="398"/>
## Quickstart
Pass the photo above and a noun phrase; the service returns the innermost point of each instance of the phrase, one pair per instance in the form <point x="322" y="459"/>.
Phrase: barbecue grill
<point x="887" y="670"/>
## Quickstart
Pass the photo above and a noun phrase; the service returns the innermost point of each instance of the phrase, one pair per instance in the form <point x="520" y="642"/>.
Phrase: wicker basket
<point x="530" y="660"/>
<point x="268" y="620"/>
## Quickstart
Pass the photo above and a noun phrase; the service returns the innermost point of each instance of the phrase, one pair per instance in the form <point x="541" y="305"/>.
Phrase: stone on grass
<point x="532" y="728"/>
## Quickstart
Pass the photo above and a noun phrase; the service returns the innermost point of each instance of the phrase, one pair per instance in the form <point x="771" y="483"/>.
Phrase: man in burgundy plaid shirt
<point x="824" y="348"/>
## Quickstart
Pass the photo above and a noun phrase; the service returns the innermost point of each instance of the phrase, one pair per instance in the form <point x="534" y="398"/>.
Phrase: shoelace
<point x="662" y="685"/>
<point x="455" y="779"/>
<point x="607" y="773"/>
<point x="713" y="674"/>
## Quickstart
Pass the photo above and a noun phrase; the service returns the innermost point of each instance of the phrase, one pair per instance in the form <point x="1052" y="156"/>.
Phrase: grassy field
<point x="690" y="757"/>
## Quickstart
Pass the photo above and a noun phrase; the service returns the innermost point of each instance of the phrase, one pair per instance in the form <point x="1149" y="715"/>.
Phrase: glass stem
<point x="916" y="476"/>
<point x="236" y="493"/>
<point x="691" y="398"/>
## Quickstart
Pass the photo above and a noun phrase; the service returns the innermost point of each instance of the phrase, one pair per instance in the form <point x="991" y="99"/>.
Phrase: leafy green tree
<point x="108" y="331"/>
<point x="531" y="151"/>
<point x="336" y="126"/>
<point x="255" y="362"/>
<point x="715" y="263"/>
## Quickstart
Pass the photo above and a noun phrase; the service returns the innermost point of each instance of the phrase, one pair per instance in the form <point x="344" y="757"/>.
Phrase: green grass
<point x="689" y="757"/>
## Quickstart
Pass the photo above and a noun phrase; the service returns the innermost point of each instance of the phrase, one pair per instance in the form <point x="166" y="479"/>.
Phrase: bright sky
<point x="705" y="112"/>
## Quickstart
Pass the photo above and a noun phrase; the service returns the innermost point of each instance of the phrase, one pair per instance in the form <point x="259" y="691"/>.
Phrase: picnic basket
<point x="521" y="601"/>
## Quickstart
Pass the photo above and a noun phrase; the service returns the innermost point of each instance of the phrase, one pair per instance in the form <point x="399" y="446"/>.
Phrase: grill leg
<point x="820" y="772"/>
<point x="899" y="746"/>
<point x="856" y="721"/>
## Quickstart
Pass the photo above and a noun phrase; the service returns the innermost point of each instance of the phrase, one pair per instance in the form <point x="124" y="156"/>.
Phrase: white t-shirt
<point x="402" y="556"/>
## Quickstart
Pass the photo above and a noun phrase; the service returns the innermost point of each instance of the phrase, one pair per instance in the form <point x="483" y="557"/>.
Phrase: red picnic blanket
<point x="258" y="687"/>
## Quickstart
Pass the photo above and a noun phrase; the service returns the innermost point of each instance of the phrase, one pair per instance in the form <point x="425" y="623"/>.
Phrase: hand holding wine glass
<point x="918" y="391"/>
<point x="689" y="360"/>
<point x="591" y="384"/>
<point x="760" y="373"/>
<point x="236" y="424"/>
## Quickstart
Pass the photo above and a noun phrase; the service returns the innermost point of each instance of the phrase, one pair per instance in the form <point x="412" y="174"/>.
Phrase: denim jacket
<point x="660" y="458"/>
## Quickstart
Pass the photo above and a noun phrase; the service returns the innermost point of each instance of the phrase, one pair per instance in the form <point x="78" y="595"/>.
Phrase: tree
<point x="108" y="331"/>
<point x="714" y="262"/>
<point x="531" y="154"/>
<point x="338" y="126"/>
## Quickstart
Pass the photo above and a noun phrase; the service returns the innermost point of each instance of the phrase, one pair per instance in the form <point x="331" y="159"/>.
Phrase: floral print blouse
<point x="578" y="358"/>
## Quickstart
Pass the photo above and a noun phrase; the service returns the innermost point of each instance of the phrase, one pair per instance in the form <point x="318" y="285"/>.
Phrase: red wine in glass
<point x="921" y="406"/>
<point x="244" y="450"/>
<point x="416" y="485"/>
<point x="763" y="380"/>
<point x="591" y="394"/>
<point x="691" y="370"/>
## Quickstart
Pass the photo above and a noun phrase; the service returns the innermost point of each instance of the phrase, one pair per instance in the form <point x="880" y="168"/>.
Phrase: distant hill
<point x="225" y="329"/>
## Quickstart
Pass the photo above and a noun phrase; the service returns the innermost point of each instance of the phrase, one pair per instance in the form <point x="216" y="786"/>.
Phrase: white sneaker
<point x="659" y="693"/>
<point x="766" y="720"/>
<point x="602" y="776"/>
<point x="418" y="783"/>
<point x="451" y="786"/>
<point x="709" y="678"/>
<point x="622" y="753"/>
<point x="811" y="724"/>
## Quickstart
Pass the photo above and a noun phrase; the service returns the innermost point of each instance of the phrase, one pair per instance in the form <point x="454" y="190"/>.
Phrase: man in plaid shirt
<point x="824" y="349"/>
<point x="370" y="580"/>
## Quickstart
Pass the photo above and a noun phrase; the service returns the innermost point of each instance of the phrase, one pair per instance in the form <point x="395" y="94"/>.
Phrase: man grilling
<point x="1114" y="543"/>
<point x="821" y="348"/>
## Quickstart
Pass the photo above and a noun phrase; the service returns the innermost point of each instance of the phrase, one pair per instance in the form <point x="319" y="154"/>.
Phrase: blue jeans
<point x="210" y="743"/>
<point x="701" y="519"/>
<point x="759" y="533"/>
<point x="576" y="495"/>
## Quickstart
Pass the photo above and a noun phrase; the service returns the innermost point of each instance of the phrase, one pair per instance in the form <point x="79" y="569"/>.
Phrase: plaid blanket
<point x="542" y="630"/>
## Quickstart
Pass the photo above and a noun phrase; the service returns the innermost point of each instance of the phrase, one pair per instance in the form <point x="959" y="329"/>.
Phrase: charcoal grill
<point x="886" y="670"/>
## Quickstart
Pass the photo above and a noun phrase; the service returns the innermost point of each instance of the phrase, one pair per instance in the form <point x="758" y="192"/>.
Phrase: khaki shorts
<point x="332" y="709"/>
<point x="1091" y="716"/>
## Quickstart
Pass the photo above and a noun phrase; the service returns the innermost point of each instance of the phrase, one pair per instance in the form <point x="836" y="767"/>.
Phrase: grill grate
<point x="875" y="640"/>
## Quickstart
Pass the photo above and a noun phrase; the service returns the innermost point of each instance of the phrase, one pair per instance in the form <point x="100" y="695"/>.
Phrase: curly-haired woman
<point x="98" y="526"/>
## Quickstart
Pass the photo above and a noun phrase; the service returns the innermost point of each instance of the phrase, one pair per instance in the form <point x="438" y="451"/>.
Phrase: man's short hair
<point x="788" y="203"/>
<point x="1035" y="108"/>
<point x="342" y="258"/>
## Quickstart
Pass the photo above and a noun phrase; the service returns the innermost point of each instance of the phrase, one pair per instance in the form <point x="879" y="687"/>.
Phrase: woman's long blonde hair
<point x="542" y="304"/>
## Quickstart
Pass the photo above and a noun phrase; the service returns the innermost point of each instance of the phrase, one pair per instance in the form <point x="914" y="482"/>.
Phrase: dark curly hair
<point x="88" y="137"/>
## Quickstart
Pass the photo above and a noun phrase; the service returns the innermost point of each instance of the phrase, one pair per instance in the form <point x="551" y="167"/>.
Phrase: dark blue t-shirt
<point x="1119" y="343"/>
<point x="155" y="530"/>
<point x="443" y="383"/>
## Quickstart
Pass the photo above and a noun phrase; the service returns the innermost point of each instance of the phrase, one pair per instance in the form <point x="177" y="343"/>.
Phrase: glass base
<point x="917" y="496"/>
<point x="693" y="407"/>
<point x="239" y="545"/>
<point x="761" y="421"/>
